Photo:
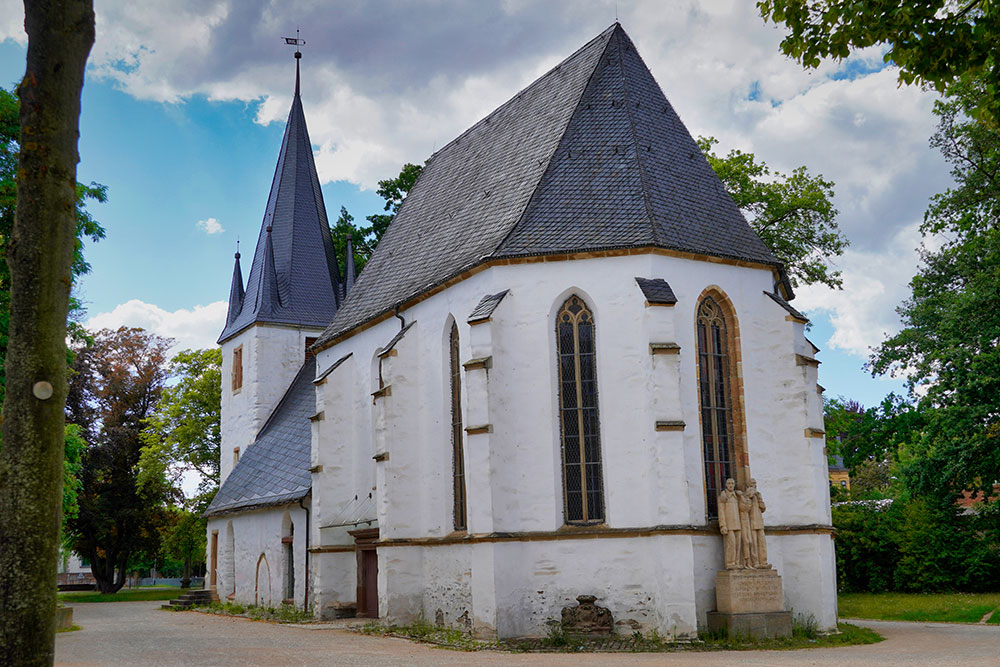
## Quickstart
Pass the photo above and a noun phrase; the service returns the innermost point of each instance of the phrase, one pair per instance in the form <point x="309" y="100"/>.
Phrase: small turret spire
<point x="349" y="273"/>
<point x="236" y="292"/>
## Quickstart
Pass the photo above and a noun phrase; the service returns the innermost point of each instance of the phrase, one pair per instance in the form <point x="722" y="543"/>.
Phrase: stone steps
<point x="192" y="598"/>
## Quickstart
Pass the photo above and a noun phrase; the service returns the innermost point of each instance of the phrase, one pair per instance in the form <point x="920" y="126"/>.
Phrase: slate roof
<point x="274" y="470"/>
<point x="235" y="291"/>
<point x="656" y="290"/>
<point x="787" y="306"/>
<point x="591" y="156"/>
<point x="484" y="309"/>
<point x="296" y="280"/>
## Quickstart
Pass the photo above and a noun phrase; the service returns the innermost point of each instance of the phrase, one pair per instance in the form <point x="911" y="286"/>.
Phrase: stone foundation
<point x="762" y="624"/>
<point x="746" y="591"/>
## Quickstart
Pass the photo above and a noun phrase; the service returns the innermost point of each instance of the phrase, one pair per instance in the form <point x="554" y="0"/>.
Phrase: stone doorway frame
<point x="364" y="548"/>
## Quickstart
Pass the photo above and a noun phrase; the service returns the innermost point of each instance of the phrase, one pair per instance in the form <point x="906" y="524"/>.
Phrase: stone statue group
<point x="742" y="526"/>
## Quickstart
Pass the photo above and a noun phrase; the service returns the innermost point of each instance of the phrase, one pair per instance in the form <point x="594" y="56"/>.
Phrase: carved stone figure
<point x="754" y="525"/>
<point x="587" y="618"/>
<point x="748" y="545"/>
<point x="729" y="525"/>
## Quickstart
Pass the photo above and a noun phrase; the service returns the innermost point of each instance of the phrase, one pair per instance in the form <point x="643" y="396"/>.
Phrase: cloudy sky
<point x="185" y="103"/>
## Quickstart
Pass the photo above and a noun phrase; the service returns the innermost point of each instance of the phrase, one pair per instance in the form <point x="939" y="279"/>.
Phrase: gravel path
<point x="138" y="633"/>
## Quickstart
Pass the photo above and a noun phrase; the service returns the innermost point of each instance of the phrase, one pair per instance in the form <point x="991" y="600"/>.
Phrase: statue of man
<point x="755" y="534"/>
<point x="729" y="525"/>
<point x="747" y="536"/>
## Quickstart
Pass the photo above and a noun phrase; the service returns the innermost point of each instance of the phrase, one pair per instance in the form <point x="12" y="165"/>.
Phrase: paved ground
<point x="138" y="633"/>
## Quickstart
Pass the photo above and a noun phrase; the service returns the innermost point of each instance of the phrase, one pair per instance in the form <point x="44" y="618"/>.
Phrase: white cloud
<point x="194" y="329"/>
<point x="385" y="83"/>
<point x="863" y="313"/>
<point x="210" y="226"/>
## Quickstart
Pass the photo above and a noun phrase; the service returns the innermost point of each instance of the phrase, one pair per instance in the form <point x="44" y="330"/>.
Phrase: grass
<point x="559" y="641"/>
<point x="72" y="628"/>
<point x="281" y="614"/>
<point x="428" y="633"/>
<point x="940" y="607"/>
<point x="124" y="595"/>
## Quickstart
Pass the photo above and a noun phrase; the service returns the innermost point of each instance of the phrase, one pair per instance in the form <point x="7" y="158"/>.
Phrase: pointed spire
<point x="349" y="273"/>
<point x="295" y="276"/>
<point x="236" y="292"/>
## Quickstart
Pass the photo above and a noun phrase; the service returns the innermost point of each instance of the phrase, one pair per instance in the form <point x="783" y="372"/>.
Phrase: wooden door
<point x="367" y="560"/>
<point x="214" y="560"/>
<point x="369" y="564"/>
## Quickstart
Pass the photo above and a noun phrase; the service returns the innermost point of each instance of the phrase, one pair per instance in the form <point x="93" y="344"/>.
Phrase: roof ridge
<point x="643" y="178"/>
<point x="562" y="135"/>
<point x="515" y="96"/>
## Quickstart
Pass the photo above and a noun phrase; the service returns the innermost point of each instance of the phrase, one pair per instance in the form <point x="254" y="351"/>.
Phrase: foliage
<point x="364" y="239"/>
<point x="183" y="434"/>
<point x="71" y="471"/>
<point x="284" y="613"/>
<point x="185" y="541"/>
<point x="866" y="550"/>
<point x="934" y="42"/>
<point x="927" y="607"/>
<point x="916" y="544"/>
<point x="120" y="383"/>
<point x="362" y="242"/>
<point x="86" y="226"/>
<point x="949" y="346"/>
<point x="792" y="214"/>
<point x="393" y="191"/>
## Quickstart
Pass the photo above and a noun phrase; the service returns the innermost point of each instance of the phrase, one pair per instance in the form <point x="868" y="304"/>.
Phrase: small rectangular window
<point x="237" y="368"/>
<point x="309" y="343"/>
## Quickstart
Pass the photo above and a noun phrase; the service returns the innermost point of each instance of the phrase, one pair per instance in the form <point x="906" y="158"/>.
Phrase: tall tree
<point x="125" y="376"/>
<point x="933" y="42"/>
<point x="40" y="255"/>
<point x="792" y="214"/>
<point x="393" y="191"/>
<point x="949" y="346"/>
<point x="182" y="434"/>
<point x="364" y="239"/>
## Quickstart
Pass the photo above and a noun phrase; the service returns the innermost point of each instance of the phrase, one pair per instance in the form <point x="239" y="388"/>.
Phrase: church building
<point x="567" y="341"/>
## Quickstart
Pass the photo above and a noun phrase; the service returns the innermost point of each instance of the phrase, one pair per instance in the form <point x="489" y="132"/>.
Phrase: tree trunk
<point x="60" y="34"/>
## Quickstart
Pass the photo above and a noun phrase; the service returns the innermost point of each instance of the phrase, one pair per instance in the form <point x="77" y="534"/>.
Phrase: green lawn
<point x="947" y="607"/>
<point x="124" y="595"/>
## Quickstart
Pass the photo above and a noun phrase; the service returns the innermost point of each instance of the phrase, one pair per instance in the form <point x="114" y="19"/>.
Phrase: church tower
<point x="292" y="292"/>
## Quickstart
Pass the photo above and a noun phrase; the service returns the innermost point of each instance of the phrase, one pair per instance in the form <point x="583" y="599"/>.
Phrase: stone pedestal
<point x="749" y="602"/>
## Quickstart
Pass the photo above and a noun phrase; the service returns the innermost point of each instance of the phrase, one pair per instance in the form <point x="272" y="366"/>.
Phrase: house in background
<point x="565" y="343"/>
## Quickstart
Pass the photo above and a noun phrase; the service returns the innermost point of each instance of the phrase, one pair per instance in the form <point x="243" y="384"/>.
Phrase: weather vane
<point x="296" y="42"/>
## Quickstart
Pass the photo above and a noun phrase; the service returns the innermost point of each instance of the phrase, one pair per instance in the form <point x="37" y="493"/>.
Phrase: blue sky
<point x="184" y="130"/>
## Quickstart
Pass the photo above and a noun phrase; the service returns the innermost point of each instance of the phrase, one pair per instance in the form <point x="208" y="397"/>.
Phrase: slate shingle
<point x="297" y="281"/>
<point x="656" y="290"/>
<point x="787" y="306"/>
<point x="484" y="309"/>
<point x="591" y="156"/>
<point x="275" y="469"/>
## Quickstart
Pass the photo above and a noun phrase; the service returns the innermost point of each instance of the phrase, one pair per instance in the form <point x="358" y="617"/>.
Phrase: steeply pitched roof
<point x="591" y="156"/>
<point x="275" y="469"/>
<point x="297" y="281"/>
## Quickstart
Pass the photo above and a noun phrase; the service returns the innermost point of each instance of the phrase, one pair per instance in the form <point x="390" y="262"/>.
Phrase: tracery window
<point x="458" y="459"/>
<point x="583" y="492"/>
<point x="715" y="396"/>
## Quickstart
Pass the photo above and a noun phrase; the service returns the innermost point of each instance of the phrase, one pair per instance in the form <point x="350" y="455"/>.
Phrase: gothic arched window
<point x="458" y="459"/>
<point x="583" y="493"/>
<point x="716" y="386"/>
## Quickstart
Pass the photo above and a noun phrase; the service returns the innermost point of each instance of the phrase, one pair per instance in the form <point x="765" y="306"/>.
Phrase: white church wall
<point x="650" y="478"/>
<point x="272" y="355"/>
<point x="258" y="555"/>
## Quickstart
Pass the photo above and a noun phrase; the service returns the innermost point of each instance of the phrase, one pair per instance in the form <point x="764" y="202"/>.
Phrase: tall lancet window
<point x="583" y="493"/>
<point x="458" y="458"/>
<point x="716" y="378"/>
